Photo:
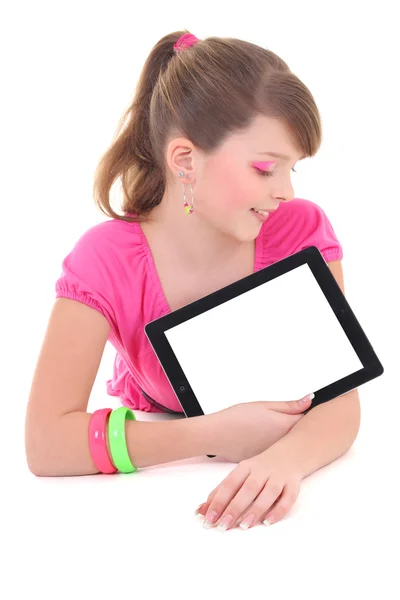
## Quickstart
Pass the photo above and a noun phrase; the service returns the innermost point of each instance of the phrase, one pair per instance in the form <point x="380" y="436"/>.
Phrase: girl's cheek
<point x="234" y="195"/>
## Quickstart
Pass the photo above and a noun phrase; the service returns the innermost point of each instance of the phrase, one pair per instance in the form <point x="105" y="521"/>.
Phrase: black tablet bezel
<point x="372" y="368"/>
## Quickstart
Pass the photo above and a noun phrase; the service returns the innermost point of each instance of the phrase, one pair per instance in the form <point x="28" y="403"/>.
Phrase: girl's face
<point x="243" y="174"/>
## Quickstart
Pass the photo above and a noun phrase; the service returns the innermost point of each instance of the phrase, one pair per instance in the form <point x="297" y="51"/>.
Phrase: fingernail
<point x="249" y="520"/>
<point x="224" y="523"/>
<point x="196" y="512"/>
<point x="210" y="519"/>
<point x="269" y="521"/>
<point x="307" y="398"/>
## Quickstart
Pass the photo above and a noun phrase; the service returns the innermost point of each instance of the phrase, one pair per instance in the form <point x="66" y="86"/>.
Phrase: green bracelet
<point x="117" y="439"/>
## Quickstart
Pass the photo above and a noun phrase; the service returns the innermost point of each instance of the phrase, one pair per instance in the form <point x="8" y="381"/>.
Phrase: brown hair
<point x="207" y="92"/>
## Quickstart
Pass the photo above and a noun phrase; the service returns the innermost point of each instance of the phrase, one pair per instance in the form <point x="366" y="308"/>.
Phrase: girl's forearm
<point x="61" y="448"/>
<point x="157" y="442"/>
<point x="324" y="434"/>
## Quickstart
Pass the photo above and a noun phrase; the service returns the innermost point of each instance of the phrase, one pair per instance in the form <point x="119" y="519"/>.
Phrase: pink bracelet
<point x="97" y="441"/>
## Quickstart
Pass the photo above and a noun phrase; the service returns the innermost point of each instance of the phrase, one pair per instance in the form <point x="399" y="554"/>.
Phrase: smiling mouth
<point x="260" y="216"/>
<point x="263" y="210"/>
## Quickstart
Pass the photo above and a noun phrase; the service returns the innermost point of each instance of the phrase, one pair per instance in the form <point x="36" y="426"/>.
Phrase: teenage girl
<point x="204" y="155"/>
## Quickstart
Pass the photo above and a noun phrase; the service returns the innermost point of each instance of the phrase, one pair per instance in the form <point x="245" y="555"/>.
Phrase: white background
<point x="68" y="72"/>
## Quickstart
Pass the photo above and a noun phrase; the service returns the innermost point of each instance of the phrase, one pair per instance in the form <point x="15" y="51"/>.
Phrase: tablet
<point x="277" y="334"/>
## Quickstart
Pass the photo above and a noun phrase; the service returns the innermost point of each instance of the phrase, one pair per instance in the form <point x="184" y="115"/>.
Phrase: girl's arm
<point x="56" y="428"/>
<point x="63" y="448"/>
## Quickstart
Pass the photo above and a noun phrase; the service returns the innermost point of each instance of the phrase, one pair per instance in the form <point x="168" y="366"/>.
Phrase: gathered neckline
<point x="154" y="274"/>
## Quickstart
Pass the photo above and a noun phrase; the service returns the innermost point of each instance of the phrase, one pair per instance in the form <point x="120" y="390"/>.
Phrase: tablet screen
<point x="278" y="341"/>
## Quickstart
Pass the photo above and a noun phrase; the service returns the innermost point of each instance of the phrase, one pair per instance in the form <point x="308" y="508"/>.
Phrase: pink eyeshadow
<point x="264" y="165"/>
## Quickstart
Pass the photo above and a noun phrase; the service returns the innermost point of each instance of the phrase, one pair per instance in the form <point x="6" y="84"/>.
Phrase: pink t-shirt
<point x="111" y="269"/>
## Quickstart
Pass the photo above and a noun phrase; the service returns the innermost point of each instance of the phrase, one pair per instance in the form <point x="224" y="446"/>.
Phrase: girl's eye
<point x="269" y="173"/>
<point x="265" y="173"/>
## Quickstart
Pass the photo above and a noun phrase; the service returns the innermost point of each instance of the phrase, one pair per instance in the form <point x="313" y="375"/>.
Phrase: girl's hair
<point x="207" y="92"/>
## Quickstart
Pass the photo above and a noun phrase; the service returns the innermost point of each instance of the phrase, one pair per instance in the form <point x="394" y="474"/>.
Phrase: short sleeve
<point x="315" y="229"/>
<point x="86" y="275"/>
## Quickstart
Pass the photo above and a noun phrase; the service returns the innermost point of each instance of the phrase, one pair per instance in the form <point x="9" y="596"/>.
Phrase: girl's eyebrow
<point x="276" y="155"/>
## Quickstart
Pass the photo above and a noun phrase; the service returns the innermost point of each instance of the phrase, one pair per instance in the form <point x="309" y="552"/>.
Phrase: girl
<point x="204" y="155"/>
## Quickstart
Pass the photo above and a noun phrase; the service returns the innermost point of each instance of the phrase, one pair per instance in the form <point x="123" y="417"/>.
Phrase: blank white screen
<point x="278" y="341"/>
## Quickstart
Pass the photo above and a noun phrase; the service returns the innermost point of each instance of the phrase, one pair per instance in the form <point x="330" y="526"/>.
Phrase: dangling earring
<point x="188" y="209"/>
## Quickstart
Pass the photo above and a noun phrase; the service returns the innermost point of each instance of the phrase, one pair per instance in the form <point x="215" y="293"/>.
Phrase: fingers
<point x="262" y="508"/>
<point x="227" y="489"/>
<point x="203" y="508"/>
<point x="200" y="510"/>
<point x="234" y="497"/>
<point x="292" y="406"/>
<point x="252" y="510"/>
<point x="255" y="502"/>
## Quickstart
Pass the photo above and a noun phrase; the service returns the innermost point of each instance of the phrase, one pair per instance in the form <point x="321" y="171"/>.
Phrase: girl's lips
<point x="261" y="218"/>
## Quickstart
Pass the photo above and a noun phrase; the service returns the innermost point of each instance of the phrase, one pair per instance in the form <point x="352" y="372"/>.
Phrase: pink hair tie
<point x="185" y="41"/>
<point x="97" y="441"/>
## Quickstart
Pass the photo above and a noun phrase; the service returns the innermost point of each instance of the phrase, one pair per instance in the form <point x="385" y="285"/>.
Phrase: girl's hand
<point x="263" y="487"/>
<point x="244" y="430"/>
